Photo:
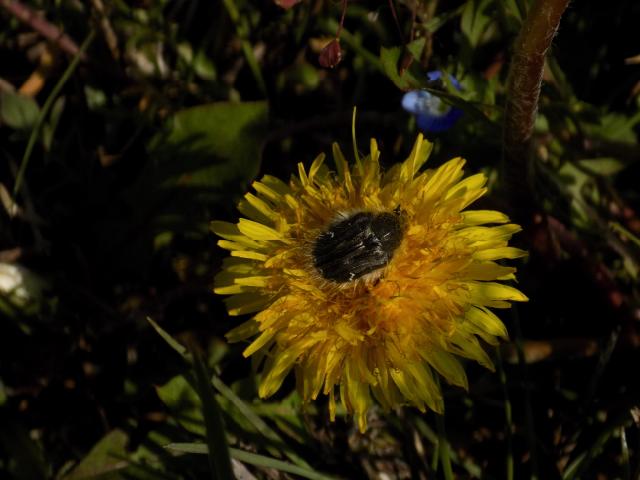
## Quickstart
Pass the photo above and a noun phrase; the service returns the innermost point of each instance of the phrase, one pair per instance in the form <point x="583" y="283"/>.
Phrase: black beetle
<point x="357" y="245"/>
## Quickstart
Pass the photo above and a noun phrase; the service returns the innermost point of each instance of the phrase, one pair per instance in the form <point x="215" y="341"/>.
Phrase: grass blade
<point x="443" y="448"/>
<point x="253" y="459"/>
<point x="257" y="422"/>
<point x="173" y="343"/>
<point x="45" y="111"/>
<point x="218" y="449"/>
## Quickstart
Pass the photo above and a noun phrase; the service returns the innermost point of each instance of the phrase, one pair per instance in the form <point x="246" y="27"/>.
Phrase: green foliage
<point x="104" y="460"/>
<point x="17" y="111"/>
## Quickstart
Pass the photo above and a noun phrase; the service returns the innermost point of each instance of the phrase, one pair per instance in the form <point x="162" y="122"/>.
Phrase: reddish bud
<point x="331" y="55"/>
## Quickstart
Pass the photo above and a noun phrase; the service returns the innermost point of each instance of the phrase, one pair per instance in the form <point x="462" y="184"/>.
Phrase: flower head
<point x="366" y="283"/>
<point x="432" y="114"/>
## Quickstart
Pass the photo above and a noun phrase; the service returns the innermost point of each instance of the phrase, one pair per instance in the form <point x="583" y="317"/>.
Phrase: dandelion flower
<point x="368" y="283"/>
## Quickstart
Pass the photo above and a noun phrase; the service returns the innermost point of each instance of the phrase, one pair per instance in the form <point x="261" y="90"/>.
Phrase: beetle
<point x="357" y="244"/>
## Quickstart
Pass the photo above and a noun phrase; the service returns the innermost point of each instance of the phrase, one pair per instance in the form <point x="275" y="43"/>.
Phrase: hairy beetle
<point x="357" y="245"/>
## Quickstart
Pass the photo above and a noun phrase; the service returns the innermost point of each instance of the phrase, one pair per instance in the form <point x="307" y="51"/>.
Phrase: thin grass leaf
<point x="443" y="448"/>
<point x="580" y="465"/>
<point x="624" y="453"/>
<point x="45" y="111"/>
<point x="173" y="343"/>
<point x="259" y="424"/>
<point x="243" y="32"/>
<point x="474" y="470"/>
<point x="253" y="459"/>
<point x="218" y="449"/>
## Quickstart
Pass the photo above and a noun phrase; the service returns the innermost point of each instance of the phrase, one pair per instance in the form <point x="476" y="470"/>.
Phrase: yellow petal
<point x="496" y="291"/>
<point x="443" y="178"/>
<point x="246" y="303"/>
<point x="315" y="166"/>
<point x="466" y="345"/>
<point x="254" y="281"/>
<point x="257" y="231"/>
<point x="233" y="289"/>
<point x="264" y="338"/>
<point x="257" y="209"/>
<point x="446" y="365"/>
<point x="230" y="231"/>
<point x="498" y="253"/>
<point x="474" y="183"/>
<point x="267" y="192"/>
<point x="418" y="156"/>
<point x="486" y="320"/>
<point x="243" y="331"/>
<point x="249" y="254"/>
<point x="479" y="217"/>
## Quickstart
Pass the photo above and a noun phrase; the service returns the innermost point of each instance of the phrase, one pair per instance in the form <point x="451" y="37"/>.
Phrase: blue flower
<point x="432" y="114"/>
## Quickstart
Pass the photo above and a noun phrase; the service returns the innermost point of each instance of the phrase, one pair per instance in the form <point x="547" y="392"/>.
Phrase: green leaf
<point x="204" y="67"/>
<point x="184" y="403"/>
<point x="257" y="422"/>
<point x="617" y="127"/>
<point x="416" y="47"/>
<point x="210" y="145"/>
<point x="435" y="23"/>
<point x="253" y="459"/>
<point x="476" y="20"/>
<point x="104" y="460"/>
<point x="17" y="111"/>
<point x="604" y="166"/>
<point x="202" y="155"/>
<point x="412" y="78"/>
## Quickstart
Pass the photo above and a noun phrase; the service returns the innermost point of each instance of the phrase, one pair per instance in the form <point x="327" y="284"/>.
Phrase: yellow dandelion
<point x="367" y="282"/>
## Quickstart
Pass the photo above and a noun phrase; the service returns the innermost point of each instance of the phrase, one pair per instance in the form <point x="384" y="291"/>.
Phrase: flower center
<point x="357" y="245"/>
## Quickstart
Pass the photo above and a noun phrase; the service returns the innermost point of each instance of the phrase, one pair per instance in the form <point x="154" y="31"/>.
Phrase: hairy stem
<point x="523" y="91"/>
<point x="42" y="26"/>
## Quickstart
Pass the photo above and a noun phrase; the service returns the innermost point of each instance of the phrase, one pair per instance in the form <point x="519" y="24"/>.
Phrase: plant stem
<point x="443" y="448"/>
<point x="523" y="91"/>
<point x="42" y="26"/>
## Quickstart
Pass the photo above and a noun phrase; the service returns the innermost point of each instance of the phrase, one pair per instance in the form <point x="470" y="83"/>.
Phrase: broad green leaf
<point x="184" y="403"/>
<point x="201" y="155"/>
<point x="105" y="459"/>
<point x="17" y="111"/>
<point x="210" y="145"/>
